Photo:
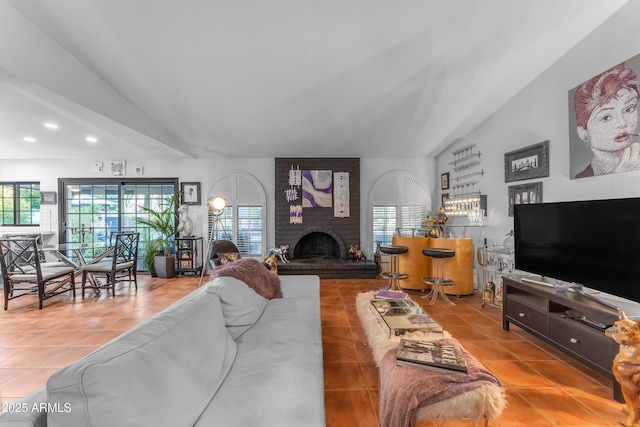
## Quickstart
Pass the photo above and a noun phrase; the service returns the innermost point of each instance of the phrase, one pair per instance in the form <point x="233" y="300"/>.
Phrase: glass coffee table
<point x="398" y="316"/>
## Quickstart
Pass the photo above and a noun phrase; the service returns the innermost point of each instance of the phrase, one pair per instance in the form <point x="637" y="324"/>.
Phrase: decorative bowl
<point x="561" y="287"/>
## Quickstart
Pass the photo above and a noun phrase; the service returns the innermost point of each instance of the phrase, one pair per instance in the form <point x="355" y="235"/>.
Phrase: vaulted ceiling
<point x="269" y="78"/>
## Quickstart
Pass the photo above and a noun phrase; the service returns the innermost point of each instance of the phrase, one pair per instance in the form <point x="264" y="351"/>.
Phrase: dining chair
<point x="23" y="269"/>
<point x="120" y="266"/>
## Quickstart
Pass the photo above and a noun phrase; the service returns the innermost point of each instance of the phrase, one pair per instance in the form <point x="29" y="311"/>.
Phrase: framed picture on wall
<point x="190" y="193"/>
<point x="524" y="194"/>
<point x="48" y="197"/>
<point x="444" y="181"/>
<point x="118" y="168"/>
<point x="599" y="104"/>
<point x="443" y="198"/>
<point x="527" y="163"/>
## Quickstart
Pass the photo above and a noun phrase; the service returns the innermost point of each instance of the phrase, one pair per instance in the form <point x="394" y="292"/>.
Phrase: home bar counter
<point x="416" y="265"/>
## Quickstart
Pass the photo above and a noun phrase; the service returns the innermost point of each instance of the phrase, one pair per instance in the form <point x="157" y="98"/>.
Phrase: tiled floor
<point x="544" y="387"/>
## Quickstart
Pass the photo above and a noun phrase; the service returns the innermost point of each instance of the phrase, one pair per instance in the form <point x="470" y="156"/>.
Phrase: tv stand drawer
<point x="585" y="341"/>
<point x="523" y="315"/>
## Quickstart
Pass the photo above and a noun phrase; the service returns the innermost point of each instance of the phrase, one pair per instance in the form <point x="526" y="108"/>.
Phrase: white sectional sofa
<point x="221" y="356"/>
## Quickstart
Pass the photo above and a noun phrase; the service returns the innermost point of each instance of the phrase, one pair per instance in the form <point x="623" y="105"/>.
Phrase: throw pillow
<point x="252" y="272"/>
<point x="228" y="257"/>
<point x="241" y="306"/>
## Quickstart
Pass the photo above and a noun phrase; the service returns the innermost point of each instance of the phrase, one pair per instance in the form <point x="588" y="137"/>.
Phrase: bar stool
<point x="394" y="275"/>
<point x="438" y="281"/>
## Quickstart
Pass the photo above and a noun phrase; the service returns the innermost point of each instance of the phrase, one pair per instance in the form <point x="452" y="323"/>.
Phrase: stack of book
<point x="431" y="355"/>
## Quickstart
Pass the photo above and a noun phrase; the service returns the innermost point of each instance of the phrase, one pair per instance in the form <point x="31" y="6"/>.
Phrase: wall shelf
<point x="469" y="175"/>
<point x="463" y="154"/>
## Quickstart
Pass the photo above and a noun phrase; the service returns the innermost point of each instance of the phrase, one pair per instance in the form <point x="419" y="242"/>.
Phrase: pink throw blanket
<point x="404" y="389"/>
<point x="253" y="274"/>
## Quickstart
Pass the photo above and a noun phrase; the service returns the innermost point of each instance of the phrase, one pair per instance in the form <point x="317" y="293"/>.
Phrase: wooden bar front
<point x="416" y="265"/>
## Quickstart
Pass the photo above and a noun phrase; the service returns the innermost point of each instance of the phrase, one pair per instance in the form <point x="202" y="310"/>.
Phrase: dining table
<point x="74" y="254"/>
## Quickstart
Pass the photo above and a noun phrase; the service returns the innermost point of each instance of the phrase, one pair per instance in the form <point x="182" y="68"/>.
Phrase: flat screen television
<point x="594" y="243"/>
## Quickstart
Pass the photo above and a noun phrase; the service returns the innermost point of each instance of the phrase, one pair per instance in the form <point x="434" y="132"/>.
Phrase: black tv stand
<point x="542" y="311"/>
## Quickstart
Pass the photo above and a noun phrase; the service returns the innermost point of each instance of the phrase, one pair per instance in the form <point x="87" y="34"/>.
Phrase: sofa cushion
<point x="162" y="372"/>
<point x="271" y="384"/>
<point x="241" y="305"/>
<point x="300" y="286"/>
<point x="287" y="320"/>
<point x="252" y="272"/>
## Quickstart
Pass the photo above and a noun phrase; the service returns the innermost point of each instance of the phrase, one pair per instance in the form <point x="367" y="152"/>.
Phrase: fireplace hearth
<point x="322" y="252"/>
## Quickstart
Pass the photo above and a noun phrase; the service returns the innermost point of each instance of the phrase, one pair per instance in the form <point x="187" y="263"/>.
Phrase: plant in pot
<point x="163" y="224"/>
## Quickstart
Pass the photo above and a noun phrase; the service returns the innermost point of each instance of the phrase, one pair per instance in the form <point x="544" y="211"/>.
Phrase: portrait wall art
<point x="317" y="186"/>
<point x="603" y="122"/>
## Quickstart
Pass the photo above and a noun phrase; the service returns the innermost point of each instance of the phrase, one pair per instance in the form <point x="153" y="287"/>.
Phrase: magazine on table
<point x="387" y="294"/>
<point x="435" y="356"/>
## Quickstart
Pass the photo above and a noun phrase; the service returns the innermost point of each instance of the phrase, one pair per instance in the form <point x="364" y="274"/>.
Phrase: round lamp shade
<point x="217" y="203"/>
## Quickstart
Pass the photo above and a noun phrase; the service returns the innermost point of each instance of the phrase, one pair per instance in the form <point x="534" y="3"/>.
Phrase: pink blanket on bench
<point x="404" y="389"/>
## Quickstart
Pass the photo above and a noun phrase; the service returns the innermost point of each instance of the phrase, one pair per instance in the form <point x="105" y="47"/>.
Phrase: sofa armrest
<point x="27" y="412"/>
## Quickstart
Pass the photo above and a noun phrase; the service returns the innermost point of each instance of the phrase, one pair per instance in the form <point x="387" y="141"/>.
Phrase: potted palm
<point x="157" y="255"/>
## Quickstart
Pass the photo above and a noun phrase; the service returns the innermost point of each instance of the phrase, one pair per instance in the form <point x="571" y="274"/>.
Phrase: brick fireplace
<point x="320" y="244"/>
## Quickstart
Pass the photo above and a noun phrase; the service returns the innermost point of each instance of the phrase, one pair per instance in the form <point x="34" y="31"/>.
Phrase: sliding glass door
<point x="92" y="210"/>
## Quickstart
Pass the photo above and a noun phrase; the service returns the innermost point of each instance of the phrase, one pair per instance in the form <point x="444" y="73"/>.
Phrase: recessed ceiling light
<point x="29" y="139"/>
<point x="91" y="138"/>
<point x="51" y="125"/>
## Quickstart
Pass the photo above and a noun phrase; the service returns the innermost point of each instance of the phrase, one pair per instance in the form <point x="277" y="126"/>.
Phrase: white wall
<point x="207" y="172"/>
<point x="540" y="112"/>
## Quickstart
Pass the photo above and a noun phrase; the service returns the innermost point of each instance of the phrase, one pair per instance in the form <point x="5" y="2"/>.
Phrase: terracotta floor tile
<point x="467" y="331"/>
<point x="562" y="410"/>
<point x="520" y="413"/>
<point x="525" y="350"/>
<point x="599" y="400"/>
<point x="364" y="352"/>
<point x="349" y="408"/>
<point x="63" y="357"/>
<point x="357" y="333"/>
<point x="562" y="375"/>
<point x="545" y="387"/>
<point x="339" y="351"/>
<point x="344" y="376"/>
<point x="370" y="371"/>
<point x="487" y="350"/>
<point x="26" y="357"/>
<point x="336" y="333"/>
<point x="26" y="382"/>
<point x="8" y="373"/>
<point x="515" y="373"/>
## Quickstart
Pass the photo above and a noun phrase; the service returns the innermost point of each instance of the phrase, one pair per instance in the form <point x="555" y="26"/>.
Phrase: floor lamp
<point x="216" y="208"/>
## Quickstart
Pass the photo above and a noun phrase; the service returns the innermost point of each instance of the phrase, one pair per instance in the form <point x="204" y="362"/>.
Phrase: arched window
<point x="244" y="218"/>
<point x="398" y="199"/>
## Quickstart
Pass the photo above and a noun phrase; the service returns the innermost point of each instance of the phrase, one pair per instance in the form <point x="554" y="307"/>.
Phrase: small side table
<point x="189" y="255"/>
